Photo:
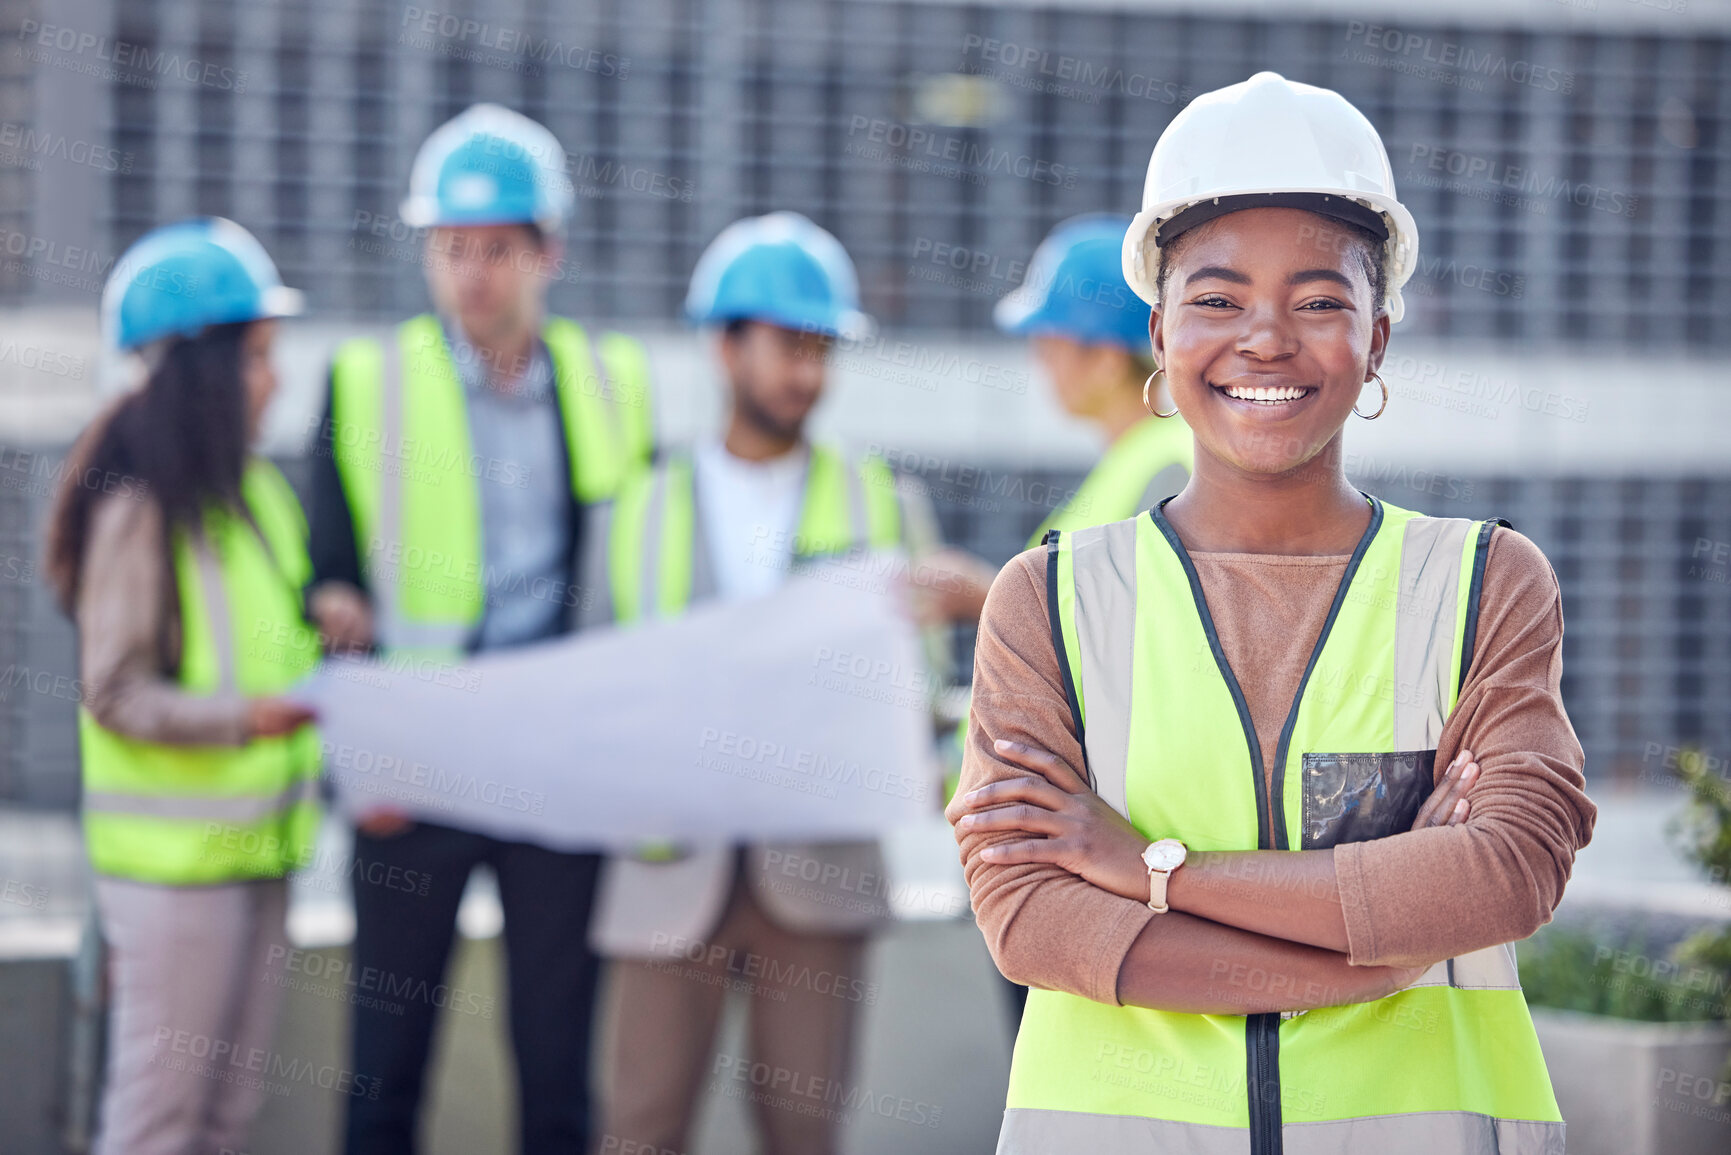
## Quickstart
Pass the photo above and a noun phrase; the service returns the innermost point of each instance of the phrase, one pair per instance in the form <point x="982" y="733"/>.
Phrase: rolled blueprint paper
<point x="804" y="714"/>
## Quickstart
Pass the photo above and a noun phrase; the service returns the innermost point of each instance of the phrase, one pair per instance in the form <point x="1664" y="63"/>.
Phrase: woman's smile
<point x="1265" y="400"/>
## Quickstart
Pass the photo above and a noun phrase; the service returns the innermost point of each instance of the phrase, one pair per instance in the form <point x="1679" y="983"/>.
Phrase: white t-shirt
<point x="749" y="510"/>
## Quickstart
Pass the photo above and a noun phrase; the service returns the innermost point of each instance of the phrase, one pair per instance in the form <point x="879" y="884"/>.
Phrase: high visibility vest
<point x="400" y="435"/>
<point x="1150" y="460"/>
<point x="186" y="815"/>
<point x="657" y="560"/>
<point x="1451" y="1064"/>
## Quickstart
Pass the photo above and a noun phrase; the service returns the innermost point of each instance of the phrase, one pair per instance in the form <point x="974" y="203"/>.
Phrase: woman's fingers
<point x="1037" y="791"/>
<point x="1042" y="762"/>
<point x="1033" y="819"/>
<point x="1026" y="850"/>
<point x="1447" y="804"/>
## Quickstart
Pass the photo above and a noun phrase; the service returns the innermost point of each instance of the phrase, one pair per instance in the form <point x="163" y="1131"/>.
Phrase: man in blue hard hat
<point x="455" y="462"/>
<point x="787" y="922"/>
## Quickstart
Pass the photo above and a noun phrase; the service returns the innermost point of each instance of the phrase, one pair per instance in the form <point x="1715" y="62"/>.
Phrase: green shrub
<point x="1625" y="978"/>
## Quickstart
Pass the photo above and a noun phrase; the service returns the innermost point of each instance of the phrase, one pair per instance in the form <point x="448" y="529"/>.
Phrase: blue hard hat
<point x="489" y="166"/>
<point x="779" y="268"/>
<point x="1075" y="288"/>
<point x="177" y="279"/>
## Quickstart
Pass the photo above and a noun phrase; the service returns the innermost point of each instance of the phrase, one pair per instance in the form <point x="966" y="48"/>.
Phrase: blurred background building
<point x="1562" y="363"/>
<point x="1569" y="166"/>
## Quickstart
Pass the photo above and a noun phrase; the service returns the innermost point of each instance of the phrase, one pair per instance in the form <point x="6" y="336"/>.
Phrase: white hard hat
<point x="489" y="166"/>
<point x="1269" y="141"/>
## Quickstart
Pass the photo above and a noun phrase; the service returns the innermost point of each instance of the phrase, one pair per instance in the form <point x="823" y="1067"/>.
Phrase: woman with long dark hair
<point x="1263" y="783"/>
<point x="181" y="556"/>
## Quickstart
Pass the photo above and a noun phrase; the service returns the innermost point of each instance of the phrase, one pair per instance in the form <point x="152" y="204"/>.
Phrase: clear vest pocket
<point x="1358" y="797"/>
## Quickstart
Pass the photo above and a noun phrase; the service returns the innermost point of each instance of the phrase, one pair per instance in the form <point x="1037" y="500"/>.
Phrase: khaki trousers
<point x="803" y="992"/>
<point x="195" y="974"/>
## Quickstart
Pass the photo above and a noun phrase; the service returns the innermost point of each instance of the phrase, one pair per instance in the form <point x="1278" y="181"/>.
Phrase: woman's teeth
<point x="1268" y="395"/>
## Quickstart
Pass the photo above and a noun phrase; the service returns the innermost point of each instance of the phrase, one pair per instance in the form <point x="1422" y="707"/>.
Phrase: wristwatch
<point x="1162" y="858"/>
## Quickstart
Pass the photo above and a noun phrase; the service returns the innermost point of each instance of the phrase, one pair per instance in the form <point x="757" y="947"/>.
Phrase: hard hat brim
<point x="1141" y="256"/>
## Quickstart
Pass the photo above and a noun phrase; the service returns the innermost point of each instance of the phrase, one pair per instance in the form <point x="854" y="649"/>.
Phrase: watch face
<point x="1164" y="855"/>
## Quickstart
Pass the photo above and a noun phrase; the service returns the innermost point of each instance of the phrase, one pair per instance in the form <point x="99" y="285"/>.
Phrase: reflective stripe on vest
<point x="1149" y="461"/>
<point x="407" y="469"/>
<point x="658" y="561"/>
<point x="1457" y="1132"/>
<point x="1440" y="1066"/>
<point x="186" y="815"/>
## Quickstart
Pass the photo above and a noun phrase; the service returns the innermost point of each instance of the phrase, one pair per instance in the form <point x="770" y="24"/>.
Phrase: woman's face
<point x="257" y="373"/>
<point x="1267" y="334"/>
<point x="1084" y="377"/>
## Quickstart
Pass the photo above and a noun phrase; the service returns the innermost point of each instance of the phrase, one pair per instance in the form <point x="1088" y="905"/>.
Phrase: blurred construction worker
<point x="454" y="464"/>
<point x="1089" y="332"/>
<point x="727" y="519"/>
<point x="180" y="555"/>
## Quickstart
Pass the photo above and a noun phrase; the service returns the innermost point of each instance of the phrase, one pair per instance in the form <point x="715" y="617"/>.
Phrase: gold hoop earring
<point x="1148" y="394"/>
<point x="1378" y="413"/>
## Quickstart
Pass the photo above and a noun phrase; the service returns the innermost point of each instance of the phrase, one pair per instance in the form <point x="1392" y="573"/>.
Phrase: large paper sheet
<point x="801" y="715"/>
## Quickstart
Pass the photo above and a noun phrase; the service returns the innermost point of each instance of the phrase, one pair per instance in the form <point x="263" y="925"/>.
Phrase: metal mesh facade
<point x="1568" y="186"/>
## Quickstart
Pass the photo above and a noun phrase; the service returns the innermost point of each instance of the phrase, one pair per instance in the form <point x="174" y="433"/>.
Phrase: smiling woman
<point x="1262" y="783"/>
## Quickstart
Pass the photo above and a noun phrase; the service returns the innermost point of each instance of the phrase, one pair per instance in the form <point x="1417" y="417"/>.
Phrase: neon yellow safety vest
<point x="1150" y="460"/>
<point x="188" y="815"/>
<point x="400" y="434"/>
<point x="657" y="563"/>
<point x="1451" y="1064"/>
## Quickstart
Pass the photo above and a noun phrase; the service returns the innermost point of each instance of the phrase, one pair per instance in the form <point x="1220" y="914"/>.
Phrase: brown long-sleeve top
<point x="128" y="616"/>
<point x="1410" y="899"/>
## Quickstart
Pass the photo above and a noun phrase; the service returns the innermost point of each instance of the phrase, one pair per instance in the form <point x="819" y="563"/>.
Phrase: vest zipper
<point x="1262" y="1081"/>
<point x="1262" y="1031"/>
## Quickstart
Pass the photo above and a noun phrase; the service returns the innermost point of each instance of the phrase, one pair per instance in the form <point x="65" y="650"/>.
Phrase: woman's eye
<point x="1321" y="306"/>
<point x="1212" y="301"/>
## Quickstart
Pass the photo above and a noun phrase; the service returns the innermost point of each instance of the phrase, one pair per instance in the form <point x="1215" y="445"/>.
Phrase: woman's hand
<point x="949" y="585"/>
<point x="384" y="822"/>
<point x="1447" y="804"/>
<point x="1066" y="823"/>
<point x="274" y="717"/>
<point x="343" y="617"/>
